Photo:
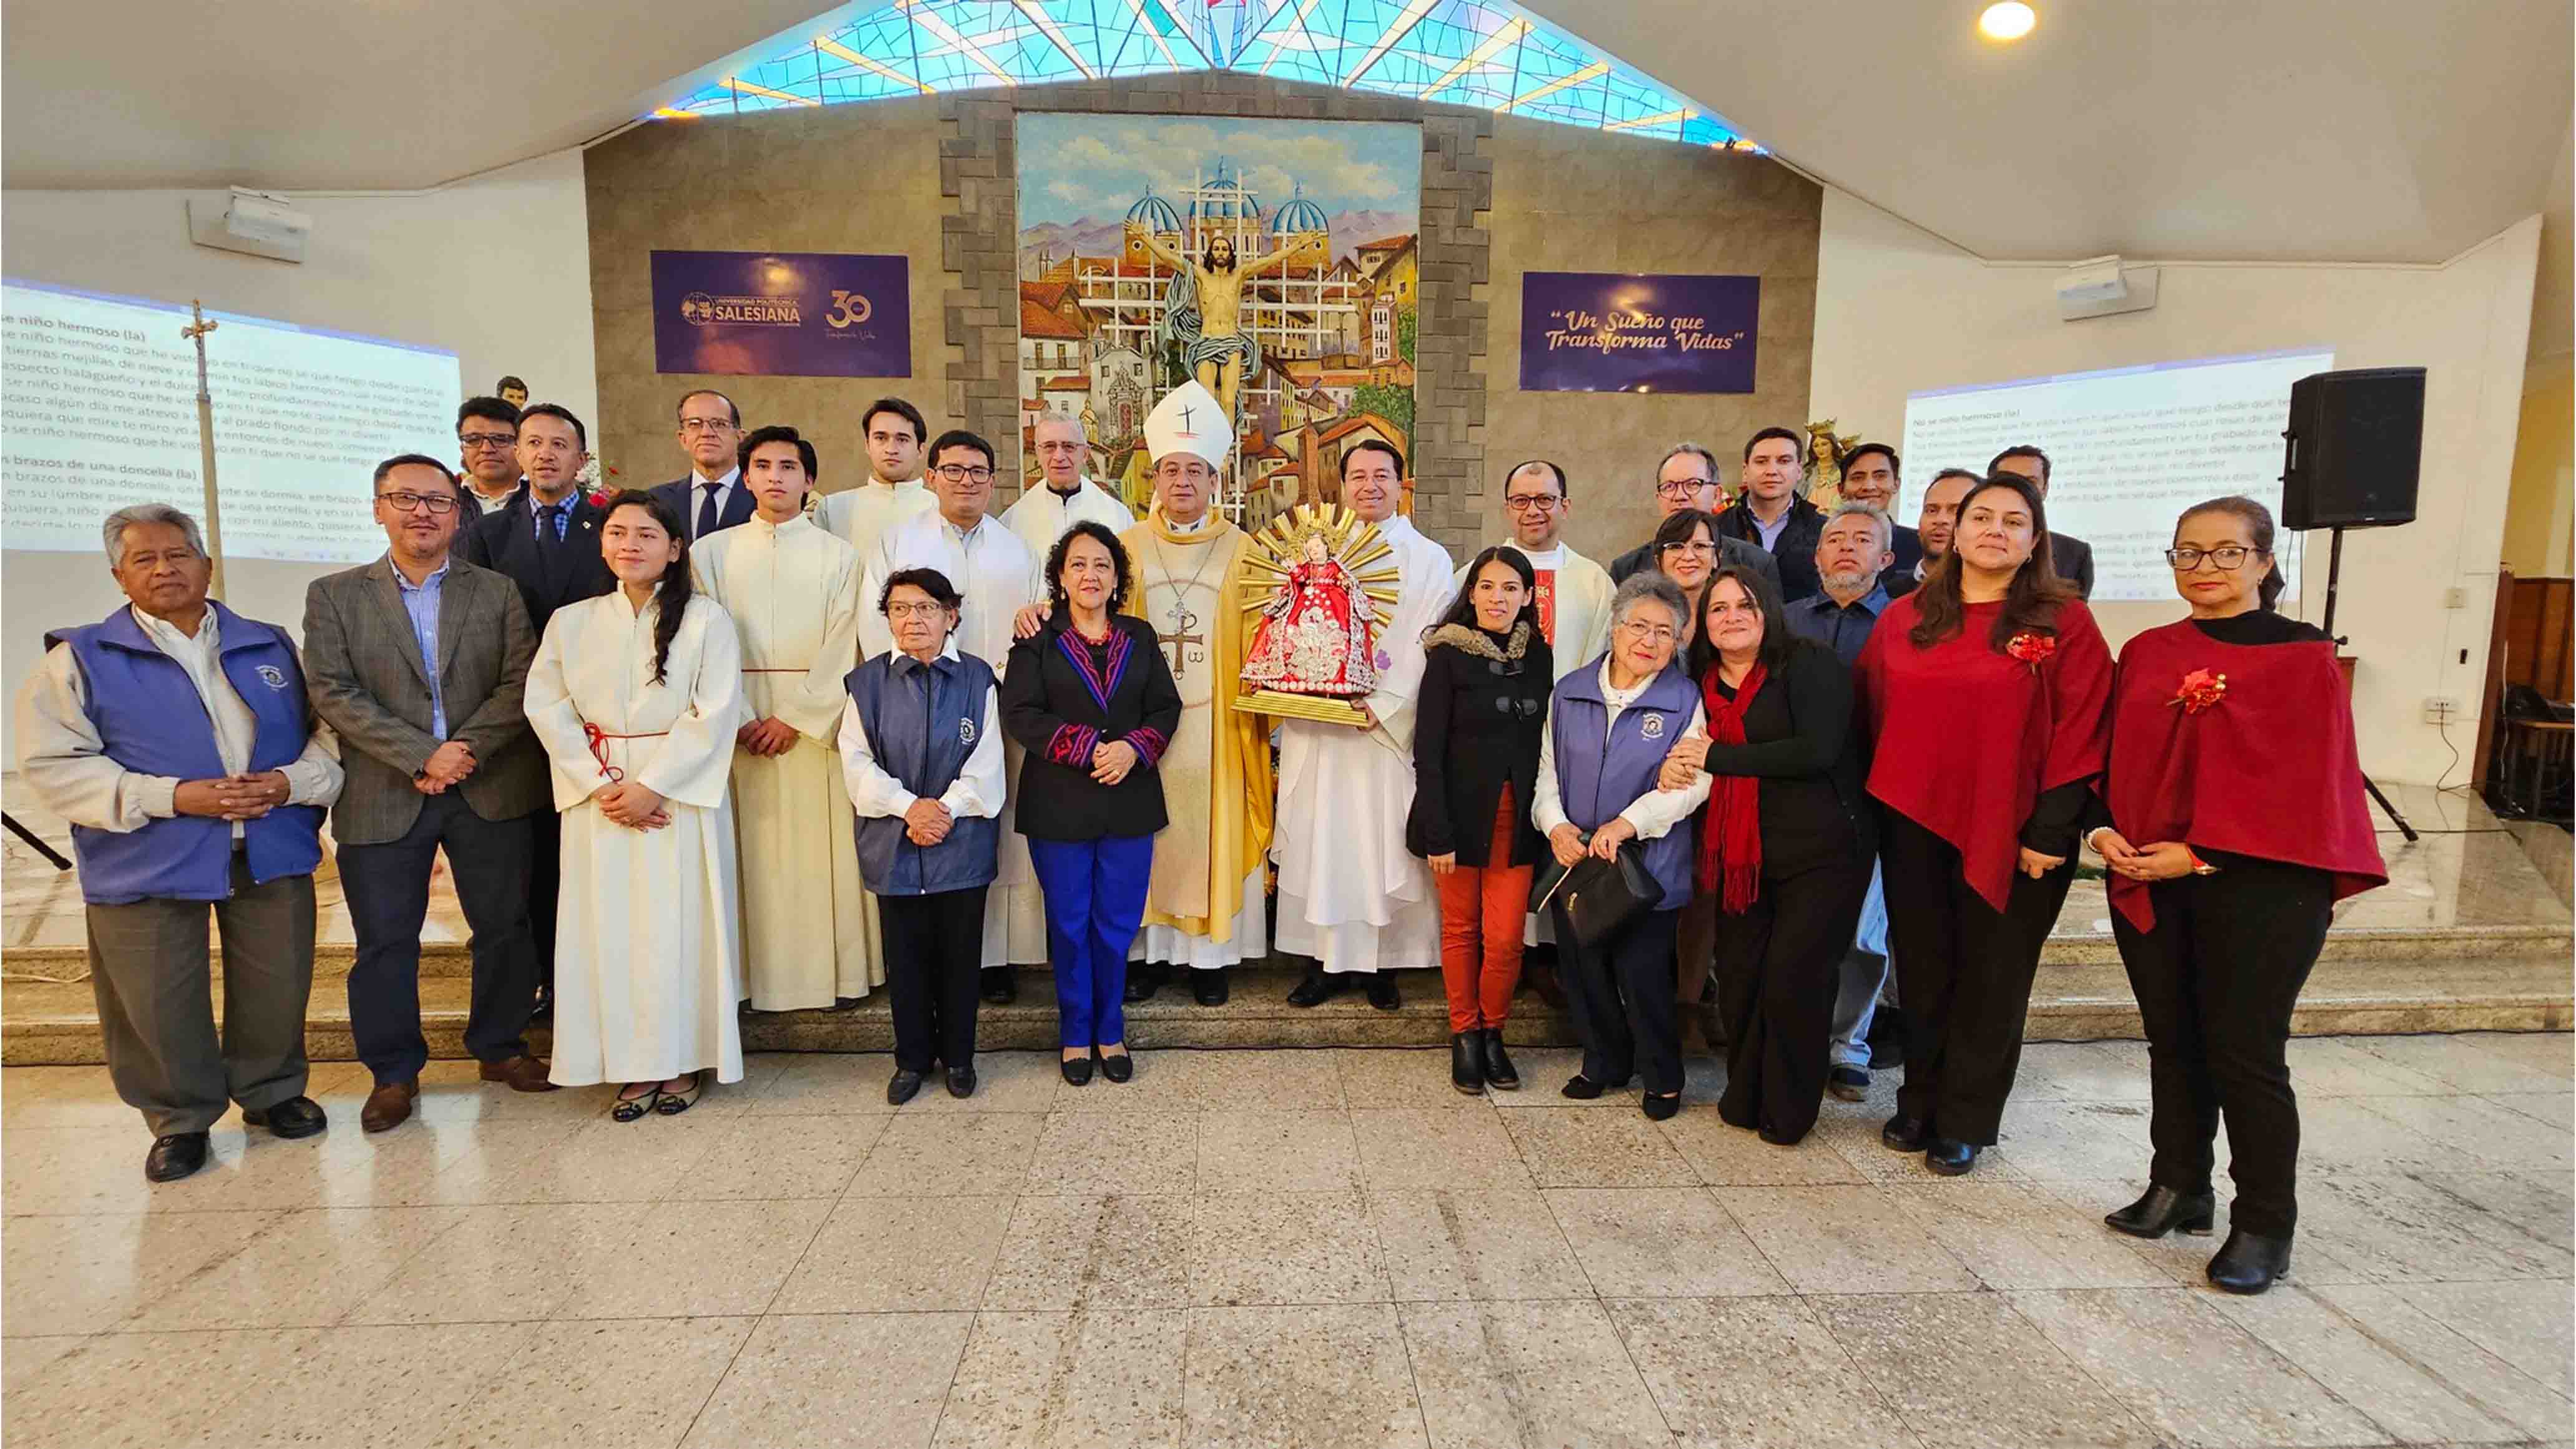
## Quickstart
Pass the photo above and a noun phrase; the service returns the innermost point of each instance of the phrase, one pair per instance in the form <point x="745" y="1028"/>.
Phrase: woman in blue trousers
<point x="1091" y="700"/>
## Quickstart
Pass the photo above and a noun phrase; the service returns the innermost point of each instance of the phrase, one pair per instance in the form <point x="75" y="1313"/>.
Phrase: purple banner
<point x="1611" y="332"/>
<point x="782" y="314"/>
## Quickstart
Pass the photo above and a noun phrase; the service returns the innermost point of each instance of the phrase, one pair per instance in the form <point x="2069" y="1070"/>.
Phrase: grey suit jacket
<point x="363" y="667"/>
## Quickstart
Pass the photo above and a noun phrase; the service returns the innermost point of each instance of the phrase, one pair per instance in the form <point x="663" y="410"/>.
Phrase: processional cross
<point x="196" y="332"/>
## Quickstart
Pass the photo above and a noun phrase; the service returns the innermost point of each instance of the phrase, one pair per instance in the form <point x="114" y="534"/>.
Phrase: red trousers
<point x="1480" y="929"/>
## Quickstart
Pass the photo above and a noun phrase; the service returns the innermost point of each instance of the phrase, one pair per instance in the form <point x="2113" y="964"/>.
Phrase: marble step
<point x="2505" y="988"/>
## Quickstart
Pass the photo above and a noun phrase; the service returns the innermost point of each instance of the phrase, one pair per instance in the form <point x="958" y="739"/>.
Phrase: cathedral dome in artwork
<point x="1298" y="217"/>
<point x="1154" y="213"/>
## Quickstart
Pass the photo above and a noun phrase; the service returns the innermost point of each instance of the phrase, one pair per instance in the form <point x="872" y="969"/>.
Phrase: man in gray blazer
<point x="418" y="661"/>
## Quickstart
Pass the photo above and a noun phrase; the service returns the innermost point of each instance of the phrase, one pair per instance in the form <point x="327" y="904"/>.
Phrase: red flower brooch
<point x="2032" y="649"/>
<point x="2200" y="689"/>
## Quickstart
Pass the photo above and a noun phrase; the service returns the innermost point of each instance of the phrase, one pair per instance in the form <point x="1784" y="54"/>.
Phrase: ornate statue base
<point x="1321" y="707"/>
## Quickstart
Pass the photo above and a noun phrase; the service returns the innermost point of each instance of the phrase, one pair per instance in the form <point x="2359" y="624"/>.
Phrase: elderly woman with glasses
<point x="1609" y="728"/>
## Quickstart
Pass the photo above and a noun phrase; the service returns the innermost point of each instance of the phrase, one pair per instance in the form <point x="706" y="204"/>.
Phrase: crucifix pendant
<point x="1183" y="623"/>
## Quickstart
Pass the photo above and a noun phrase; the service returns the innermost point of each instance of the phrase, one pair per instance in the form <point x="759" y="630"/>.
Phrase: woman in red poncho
<point x="1985" y="694"/>
<point x="2236" y="821"/>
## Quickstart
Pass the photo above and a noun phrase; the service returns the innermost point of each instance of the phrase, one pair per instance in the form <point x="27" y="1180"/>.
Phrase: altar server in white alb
<point x="894" y="492"/>
<point x="1350" y="895"/>
<point x="1065" y="494"/>
<point x="636" y="696"/>
<point x="809" y="927"/>
<point x="996" y="576"/>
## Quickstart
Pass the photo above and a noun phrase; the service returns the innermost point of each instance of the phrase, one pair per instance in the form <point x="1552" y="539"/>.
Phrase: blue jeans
<point x="1095" y="903"/>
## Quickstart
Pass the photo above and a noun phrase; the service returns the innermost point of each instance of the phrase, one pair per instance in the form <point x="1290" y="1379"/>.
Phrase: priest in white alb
<point x="809" y="926"/>
<point x="1573" y="596"/>
<point x="1350" y="895"/>
<point x="997" y="576"/>
<point x="1065" y="494"/>
<point x="894" y="492"/>
<point x="1207" y="906"/>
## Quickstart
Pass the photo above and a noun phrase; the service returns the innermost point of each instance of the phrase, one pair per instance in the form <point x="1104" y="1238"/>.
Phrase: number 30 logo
<point x="849" y="309"/>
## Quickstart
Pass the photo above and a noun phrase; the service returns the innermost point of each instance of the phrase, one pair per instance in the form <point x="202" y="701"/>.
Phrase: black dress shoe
<point x="2163" y="1210"/>
<point x="1143" y="980"/>
<point x="174" y="1157"/>
<point x="1775" y="1138"/>
<point x="1950" y="1157"/>
<point x="1467" y="1062"/>
<point x="1660" y="1109"/>
<point x="1077" y="1071"/>
<point x="292" y="1118"/>
<point x="901" y="1086"/>
<point x="1000" y="985"/>
<point x="1315" y="988"/>
<point x="1499" y="1071"/>
<point x="961" y="1081"/>
<point x="1580" y="1087"/>
<point x="1381" y="991"/>
<point x="1116" y="1066"/>
<point x="2248" y="1262"/>
<point x="1209" y="987"/>
<point x="1905" y="1134"/>
<point x="1848" y="1084"/>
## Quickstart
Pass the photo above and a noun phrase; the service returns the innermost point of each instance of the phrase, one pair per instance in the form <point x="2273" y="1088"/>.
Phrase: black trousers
<point x="2216" y="981"/>
<point x="1780" y="971"/>
<point x="545" y="885"/>
<point x="1964" y="971"/>
<point x="934" y="951"/>
<point x="1621" y="995"/>
<point x="387" y="888"/>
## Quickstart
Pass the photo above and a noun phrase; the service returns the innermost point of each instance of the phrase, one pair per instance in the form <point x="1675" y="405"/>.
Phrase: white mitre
<point x="1188" y="420"/>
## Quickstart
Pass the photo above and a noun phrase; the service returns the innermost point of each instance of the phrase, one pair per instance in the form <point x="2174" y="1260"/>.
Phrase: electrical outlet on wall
<point x="2455" y="598"/>
<point x="2440" y="709"/>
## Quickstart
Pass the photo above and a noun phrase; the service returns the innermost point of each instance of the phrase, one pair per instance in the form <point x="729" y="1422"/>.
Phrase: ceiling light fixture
<point x="2010" y="20"/>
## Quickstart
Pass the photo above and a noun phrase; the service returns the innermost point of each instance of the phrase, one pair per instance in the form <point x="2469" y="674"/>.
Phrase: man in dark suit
<point x="1687" y="478"/>
<point x="2073" y="556"/>
<point x="1870" y="476"/>
<point x="487" y="442"/>
<point x="1771" y="515"/>
<point x="418" y="660"/>
<point x="1934" y="526"/>
<point x="547" y="542"/>
<point x="711" y="498"/>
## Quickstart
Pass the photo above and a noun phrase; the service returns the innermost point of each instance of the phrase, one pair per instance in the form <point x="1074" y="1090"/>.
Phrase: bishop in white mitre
<point x="894" y="492"/>
<point x="996" y="576"/>
<point x="1064" y="496"/>
<point x="809" y="926"/>
<point x="1350" y="895"/>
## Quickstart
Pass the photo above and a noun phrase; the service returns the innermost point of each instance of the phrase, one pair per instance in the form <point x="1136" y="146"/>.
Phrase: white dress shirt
<point x="978" y="789"/>
<point x="1655" y="813"/>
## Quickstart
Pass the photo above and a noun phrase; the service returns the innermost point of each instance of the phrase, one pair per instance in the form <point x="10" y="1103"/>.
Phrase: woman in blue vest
<point x="1610" y="724"/>
<point x="1091" y="699"/>
<point x="921" y="746"/>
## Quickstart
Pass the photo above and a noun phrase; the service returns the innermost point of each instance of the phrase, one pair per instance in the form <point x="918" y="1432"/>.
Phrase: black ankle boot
<point x="1499" y="1071"/>
<point x="2163" y="1210"/>
<point x="1467" y="1062"/>
<point x="2248" y="1262"/>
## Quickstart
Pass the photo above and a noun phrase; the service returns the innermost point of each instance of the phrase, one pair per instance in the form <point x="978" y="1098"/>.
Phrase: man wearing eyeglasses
<point x="487" y="445"/>
<point x="711" y="498"/>
<point x="418" y="661"/>
<point x="1065" y="494"/>
<point x="1687" y="478"/>
<point x="1573" y="591"/>
<point x="998" y="576"/>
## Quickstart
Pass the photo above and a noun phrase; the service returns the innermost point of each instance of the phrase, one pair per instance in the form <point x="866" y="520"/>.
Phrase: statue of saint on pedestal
<point x="1317" y="589"/>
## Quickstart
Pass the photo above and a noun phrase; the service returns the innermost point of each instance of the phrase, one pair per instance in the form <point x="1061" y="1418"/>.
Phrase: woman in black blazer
<point x="1091" y="699"/>
<point x="1785" y="849"/>
<point x="1486" y="673"/>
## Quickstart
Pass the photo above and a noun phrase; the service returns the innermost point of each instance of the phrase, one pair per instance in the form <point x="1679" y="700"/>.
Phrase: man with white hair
<point x="176" y="737"/>
<point x="1065" y="494"/>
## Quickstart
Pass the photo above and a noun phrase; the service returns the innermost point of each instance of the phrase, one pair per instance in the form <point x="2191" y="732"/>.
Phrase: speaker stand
<point x="2334" y="581"/>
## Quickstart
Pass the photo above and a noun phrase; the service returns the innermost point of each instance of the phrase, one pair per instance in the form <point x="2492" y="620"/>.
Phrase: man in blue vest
<point x="175" y="737"/>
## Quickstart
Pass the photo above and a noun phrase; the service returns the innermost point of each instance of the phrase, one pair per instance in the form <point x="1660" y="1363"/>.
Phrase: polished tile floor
<point x="1279" y="1249"/>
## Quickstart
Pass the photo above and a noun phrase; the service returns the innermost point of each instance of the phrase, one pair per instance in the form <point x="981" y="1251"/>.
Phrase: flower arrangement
<point x="2200" y="690"/>
<point x="2032" y="649"/>
<point x="598" y="482"/>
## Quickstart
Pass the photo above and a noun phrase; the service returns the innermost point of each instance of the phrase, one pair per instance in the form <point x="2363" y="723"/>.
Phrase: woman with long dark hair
<point x="1091" y="699"/>
<point x="1985" y="694"/>
<point x="1686" y="549"/>
<point x="1482" y="709"/>
<point x="636" y="695"/>
<point x="1785" y="849"/>
<point x="2235" y="820"/>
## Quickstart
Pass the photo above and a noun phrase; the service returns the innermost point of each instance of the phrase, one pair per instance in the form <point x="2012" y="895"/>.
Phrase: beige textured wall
<point x="834" y="179"/>
<point x="1567" y="200"/>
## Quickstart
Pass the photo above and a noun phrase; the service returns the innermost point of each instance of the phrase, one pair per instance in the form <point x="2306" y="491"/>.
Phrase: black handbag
<point x="1597" y="898"/>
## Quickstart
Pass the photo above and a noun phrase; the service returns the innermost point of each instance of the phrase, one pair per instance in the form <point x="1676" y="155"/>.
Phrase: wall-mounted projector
<point x="2102" y="287"/>
<point x="249" y="221"/>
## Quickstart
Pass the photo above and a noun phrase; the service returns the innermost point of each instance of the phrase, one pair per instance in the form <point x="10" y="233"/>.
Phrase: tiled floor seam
<point x="715" y="1386"/>
<point x="2396" y="1351"/>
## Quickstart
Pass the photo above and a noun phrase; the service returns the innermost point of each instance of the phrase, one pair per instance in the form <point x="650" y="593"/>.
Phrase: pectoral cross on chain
<point x="1183" y="621"/>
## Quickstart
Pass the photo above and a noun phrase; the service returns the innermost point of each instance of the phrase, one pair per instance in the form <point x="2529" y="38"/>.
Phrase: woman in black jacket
<point x="1486" y="673"/>
<point x="1786" y="847"/>
<point x="1091" y="699"/>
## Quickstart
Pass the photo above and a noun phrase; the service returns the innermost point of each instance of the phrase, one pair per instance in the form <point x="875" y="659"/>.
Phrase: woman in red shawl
<point x="2236" y="821"/>
<point x="1985" y="694"/>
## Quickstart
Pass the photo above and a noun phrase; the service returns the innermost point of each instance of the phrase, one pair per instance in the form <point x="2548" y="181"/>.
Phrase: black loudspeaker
<point x="2356" y="440"/>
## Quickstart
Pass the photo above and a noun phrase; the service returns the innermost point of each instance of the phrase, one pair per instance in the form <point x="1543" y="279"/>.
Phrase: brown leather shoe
<point x="521" y="1074"/>
<point x="389" y="1105"/>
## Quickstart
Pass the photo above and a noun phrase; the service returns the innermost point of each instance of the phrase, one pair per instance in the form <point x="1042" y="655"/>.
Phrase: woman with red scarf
<point x="1785" y="849"/>
<point x="2236" y="821"/>
<point x="1984" y="695"/>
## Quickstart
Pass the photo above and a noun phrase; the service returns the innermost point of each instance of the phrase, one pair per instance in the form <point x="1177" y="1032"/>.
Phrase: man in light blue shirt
<point x="420" y="601"/>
